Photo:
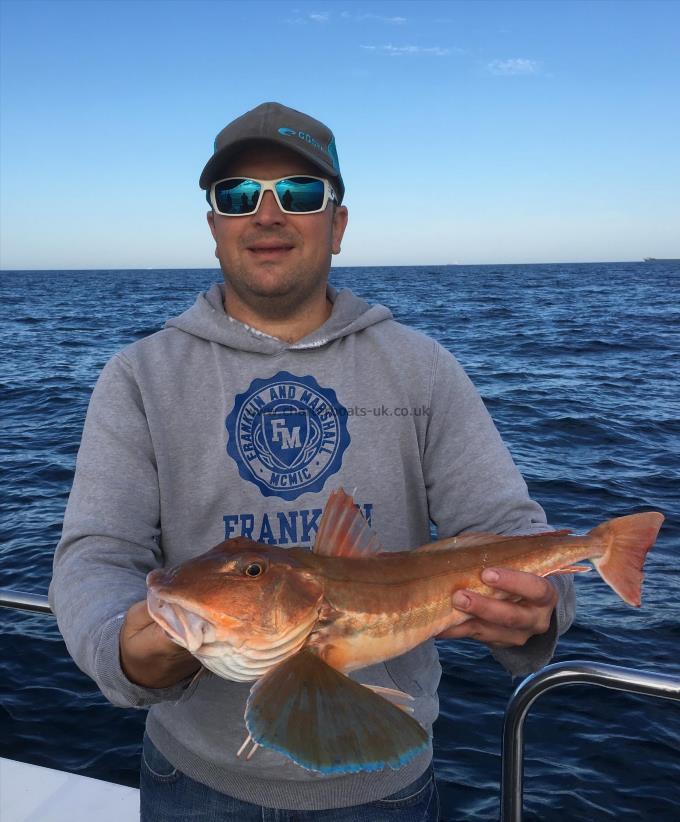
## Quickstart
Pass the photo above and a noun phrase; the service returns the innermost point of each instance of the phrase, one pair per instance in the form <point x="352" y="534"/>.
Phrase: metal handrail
<point x="24" y="602"/>
<point x="553" y="676"/>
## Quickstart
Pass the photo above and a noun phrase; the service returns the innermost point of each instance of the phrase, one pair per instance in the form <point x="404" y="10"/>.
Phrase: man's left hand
<point x="505" y="623"/>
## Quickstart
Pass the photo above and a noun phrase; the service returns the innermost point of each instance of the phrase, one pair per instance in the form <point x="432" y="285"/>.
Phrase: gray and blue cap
<point x="276" y="123"/>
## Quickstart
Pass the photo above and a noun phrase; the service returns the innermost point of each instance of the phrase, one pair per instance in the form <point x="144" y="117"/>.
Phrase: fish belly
<point x="222" y="659"/>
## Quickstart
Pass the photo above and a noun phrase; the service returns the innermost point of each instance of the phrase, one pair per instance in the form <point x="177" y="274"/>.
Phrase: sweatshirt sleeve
<point x="474" y="485"/>
<point x="111" y="534"/>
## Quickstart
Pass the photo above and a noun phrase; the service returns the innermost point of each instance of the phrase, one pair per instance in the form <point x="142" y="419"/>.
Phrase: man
<point x="238" y="419"/>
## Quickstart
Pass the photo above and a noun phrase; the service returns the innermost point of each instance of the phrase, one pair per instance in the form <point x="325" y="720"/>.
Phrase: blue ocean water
<point x="579" y="366"/>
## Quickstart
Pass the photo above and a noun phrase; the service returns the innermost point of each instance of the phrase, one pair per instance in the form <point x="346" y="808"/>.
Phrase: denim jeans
<point x="167" y="795"/>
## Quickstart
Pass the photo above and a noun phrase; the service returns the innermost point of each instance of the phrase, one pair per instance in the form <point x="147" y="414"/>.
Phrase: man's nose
<point x="268" y="212"/>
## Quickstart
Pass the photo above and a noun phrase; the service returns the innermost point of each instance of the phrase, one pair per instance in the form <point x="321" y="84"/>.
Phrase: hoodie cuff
<point x="538" y="650"/>
<point x="116" y="687"/>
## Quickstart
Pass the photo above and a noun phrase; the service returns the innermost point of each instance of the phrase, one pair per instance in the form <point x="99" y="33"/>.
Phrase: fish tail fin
<point x="625" y="542"/>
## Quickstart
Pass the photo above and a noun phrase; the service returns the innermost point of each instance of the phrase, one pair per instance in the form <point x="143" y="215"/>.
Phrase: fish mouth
<point x="183" y="626"/>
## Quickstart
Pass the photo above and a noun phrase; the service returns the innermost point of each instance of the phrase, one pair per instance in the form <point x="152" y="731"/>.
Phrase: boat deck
<point x="30" y="793"/>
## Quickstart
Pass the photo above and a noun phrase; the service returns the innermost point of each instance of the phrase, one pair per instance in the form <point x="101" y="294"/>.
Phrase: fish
<point x="296" y="622"/>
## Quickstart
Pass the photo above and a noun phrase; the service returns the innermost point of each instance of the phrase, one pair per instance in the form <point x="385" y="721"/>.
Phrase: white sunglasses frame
<point x="269" y="185"/>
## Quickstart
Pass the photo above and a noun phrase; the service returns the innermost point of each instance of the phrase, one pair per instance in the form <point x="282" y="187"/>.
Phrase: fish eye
<point x="254" y="569"/>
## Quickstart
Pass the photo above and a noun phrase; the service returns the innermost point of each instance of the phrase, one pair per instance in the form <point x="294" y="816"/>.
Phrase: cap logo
<point x="302" y="135"/>
<point x="333" y="153"/>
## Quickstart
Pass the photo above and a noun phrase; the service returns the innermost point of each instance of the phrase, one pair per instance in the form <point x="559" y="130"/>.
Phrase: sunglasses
<point x="240" y="196"/>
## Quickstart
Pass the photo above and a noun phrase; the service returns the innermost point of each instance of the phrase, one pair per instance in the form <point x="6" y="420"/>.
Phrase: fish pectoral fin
<point x="571" y="569"/>
<point x="343" y="530"/>
<point x="327" y="722"/>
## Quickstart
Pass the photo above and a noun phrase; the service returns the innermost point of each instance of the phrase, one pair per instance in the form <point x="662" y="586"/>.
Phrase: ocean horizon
<point x="338" y="267"/>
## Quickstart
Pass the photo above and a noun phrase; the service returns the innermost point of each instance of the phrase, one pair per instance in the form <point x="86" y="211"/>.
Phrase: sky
<point x="467" y="132"/>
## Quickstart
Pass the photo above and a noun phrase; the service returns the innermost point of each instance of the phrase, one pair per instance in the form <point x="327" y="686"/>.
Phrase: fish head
<point x="240" y="593"/>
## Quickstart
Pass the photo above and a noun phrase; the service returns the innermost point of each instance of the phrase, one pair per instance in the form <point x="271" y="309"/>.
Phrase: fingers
<point x="524" y="610"/>
<point x="515" y="616"/>
<point x="140" y="628"/>
<point x="137" y="617"/>
<point x="148" y="657"/>
<point x="525" y="585"/>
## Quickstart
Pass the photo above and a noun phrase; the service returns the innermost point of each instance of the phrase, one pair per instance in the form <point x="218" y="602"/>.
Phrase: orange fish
<point x="297" y="621"/>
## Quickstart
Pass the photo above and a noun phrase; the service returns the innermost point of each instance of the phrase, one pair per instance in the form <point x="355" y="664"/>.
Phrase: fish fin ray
<point x="570" y="569"/>
<point x="244" y="745"/>
<point x="327" y="722"/>
<point x="343" y="530"/>
<point x="398" y="698"/>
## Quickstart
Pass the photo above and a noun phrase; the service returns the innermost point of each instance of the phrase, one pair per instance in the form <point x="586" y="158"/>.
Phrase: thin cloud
<point x="325" y="17"/>
<point x="360" y="17"/>
<point x="513" y="67"/>
<point x="400" y="51"/>
<point x="310" y="17"/>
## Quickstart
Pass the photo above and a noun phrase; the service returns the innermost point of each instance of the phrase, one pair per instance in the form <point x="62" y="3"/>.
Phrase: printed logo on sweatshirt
<point x="292" y="527"/>
<point x="287" y="435"/>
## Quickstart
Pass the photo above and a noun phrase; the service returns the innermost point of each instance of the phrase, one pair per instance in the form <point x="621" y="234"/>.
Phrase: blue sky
<point x="468" y="132"/>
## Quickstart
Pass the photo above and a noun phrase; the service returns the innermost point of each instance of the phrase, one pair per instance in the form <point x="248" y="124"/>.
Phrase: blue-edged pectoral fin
<point x="326" y="722"/>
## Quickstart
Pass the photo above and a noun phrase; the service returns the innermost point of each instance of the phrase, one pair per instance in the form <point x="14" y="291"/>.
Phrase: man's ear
<point x="340" y="218"/>
<point x="211" y="222"/>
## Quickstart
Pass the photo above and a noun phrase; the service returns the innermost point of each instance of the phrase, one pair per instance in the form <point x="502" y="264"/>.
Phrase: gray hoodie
<point x="172" y="461"/>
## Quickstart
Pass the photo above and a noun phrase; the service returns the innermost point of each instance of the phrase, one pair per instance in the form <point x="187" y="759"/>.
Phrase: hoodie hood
<point x="208" y="320"/>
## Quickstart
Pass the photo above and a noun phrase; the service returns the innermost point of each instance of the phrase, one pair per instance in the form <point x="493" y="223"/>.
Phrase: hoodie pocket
<point x="417" y="672"/>
<point x="156" y="765"/>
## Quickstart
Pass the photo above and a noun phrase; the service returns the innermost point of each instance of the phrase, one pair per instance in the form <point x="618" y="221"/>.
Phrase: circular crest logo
<point x="287" y="435"/>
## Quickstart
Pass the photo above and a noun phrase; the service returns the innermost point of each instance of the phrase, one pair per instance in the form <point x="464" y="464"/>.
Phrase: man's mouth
<point x="270" y="250"/>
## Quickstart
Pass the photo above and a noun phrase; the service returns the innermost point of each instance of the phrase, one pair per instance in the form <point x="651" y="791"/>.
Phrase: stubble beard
<point x="283" y="295"/>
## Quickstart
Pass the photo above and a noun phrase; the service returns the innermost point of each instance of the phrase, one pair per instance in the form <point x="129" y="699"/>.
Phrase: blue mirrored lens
<point x="237" y="196"/>
<point x="296" y="194"/>
<point x="300" y="194"/>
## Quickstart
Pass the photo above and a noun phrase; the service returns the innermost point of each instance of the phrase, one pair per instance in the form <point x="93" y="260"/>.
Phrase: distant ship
<point x="659" y="260"/>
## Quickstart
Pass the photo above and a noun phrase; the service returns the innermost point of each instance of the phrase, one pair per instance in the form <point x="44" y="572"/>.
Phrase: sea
<point x="579" y="365"/>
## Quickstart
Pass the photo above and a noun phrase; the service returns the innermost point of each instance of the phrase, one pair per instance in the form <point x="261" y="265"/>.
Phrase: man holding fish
<point x="231" y="426"/>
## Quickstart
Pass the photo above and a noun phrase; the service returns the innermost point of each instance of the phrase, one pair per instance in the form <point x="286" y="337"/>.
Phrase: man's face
<point x="271" y="260"/>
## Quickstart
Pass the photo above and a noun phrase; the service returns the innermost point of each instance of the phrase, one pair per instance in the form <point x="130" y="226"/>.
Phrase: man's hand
<point x="147" y="656"/>
<point x="510" y="622"/>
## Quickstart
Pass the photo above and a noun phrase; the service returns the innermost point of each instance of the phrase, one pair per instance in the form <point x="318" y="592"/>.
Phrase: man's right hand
<point x="147" y="656"/>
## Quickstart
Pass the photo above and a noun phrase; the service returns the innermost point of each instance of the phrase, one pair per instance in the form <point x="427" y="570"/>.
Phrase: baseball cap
<point x="276" y="123"/>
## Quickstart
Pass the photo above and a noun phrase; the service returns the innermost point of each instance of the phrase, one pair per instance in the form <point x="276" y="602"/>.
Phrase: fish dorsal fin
<point x="327" y="722"/>
<point x="474" y="538"/>
<point x="463" y="541"/>
<point x="343" y="531"/>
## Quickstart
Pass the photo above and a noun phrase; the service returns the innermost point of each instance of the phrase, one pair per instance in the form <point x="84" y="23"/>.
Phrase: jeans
<point x="167" y="795"/>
